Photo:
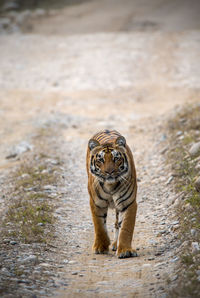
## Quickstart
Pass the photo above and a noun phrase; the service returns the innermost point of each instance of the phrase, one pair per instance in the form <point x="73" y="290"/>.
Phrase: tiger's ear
<point x="93" y="143"/>
<point x="121" y="141"/>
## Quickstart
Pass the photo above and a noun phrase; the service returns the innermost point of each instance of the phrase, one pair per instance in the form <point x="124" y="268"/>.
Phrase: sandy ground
<point x="105" y="64"/>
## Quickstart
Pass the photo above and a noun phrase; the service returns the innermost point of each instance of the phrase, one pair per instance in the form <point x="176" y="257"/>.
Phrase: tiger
<point x="112" y="184"/>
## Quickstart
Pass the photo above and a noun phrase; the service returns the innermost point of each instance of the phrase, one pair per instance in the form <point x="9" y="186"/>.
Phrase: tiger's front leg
<point x="102" y="241"/>
<point x="124" y="249"/>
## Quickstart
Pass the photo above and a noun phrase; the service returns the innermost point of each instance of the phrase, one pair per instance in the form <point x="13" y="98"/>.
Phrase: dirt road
<point x="104" y="64"/>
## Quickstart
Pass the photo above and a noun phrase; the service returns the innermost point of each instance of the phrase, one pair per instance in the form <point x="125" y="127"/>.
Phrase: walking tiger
<point x="112" y="184"/>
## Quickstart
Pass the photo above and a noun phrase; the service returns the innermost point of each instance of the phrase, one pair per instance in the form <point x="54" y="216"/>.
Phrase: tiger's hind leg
<point x="114" y="244"/>
<point x="102" y="241"/>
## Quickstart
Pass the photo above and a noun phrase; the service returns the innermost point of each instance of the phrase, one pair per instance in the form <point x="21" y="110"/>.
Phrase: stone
<point x="176" y="222"/>
<point x="4" y="23"/>
<point x="10" y="5"/>
<point x="198" y="272"/>
<point x="197" y="167"/>
<point x="29" y="259"/>
<point x="193" y="232"/>
<point x="169" y="180"/>
<point x="179" y="133"/>
<point x="195" y="247"/>
<point x="195" y="149"/>
<point x="197" y="184"/>
<point x="19" y="149"/>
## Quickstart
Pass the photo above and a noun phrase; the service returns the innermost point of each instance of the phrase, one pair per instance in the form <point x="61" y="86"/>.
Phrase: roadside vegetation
<point x="28" y="223"/>
<point x="184" y="156"/>
<point x="29" y="217"/>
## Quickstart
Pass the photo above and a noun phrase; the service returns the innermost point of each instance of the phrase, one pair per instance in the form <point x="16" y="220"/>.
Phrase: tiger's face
<point x="108" y="162"/>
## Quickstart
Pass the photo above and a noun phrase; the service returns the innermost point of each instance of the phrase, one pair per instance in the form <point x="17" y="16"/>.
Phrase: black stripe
<point x="126" y="198"/>
<point x="124" y="209"/>
<point x="99" y="196"/>
<point x="103" y="216"/>
<point x="116" y="187"/>
<point x="98" y="205"/>
<point x="126" y="190"/>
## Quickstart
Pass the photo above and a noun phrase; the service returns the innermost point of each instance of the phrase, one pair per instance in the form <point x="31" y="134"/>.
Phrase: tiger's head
<point x="109" y="162"/>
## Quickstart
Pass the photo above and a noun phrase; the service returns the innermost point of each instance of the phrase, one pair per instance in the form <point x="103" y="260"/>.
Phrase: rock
<point x="10" y="5"/>
<point x="176" y="222"/>
<point x="4" y="23"/>
<point x="197" y="167"/>
<point x="193" y="232"/>
<point x="195" y="149"/>
<point x="198" y="272"/>
<point x="174" y="278"/>
<point x="179" y="133"/>
<point x="72" y="262"/>
<point x="29" y="259"/>
<point x="39" y="12"/>
<point x="169" y="180"/>
<point x="5" y="271"/>
<point x="197" y="184"/>
<point x="195" y="247"/>
<point x="164" y="150"/>
<point x="22" y="17"/>
<point x="19" y="149"/>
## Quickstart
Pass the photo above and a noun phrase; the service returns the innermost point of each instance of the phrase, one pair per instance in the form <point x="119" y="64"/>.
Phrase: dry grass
<point x="184" y="129"/>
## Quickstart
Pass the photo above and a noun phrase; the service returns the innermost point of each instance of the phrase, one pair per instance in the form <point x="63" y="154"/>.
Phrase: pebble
<point x="175" y="259"/>
<point x="10" y="5"/>
<point x="198" y="272"/>
<point x="195" y="149"/>
<point x="146" y="265"/>
<point x="173" y="278"/>
<point x="193" y="232"/>
<point x="195" y="247"/>
<point x="169" y="180"/>
<point x="72" y="262"/>
<point x="21" y="148"/>
<point x="197" y="184"/>
<point x="4" y="23"/>
<point x="176" y="222"/>
<point x="197" y="167"/>
<point x="29" y="259"/>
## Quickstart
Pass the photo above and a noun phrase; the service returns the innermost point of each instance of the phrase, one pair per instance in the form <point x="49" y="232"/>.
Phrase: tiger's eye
<point x="117" y="158"/>
<point x="100" y="159"/>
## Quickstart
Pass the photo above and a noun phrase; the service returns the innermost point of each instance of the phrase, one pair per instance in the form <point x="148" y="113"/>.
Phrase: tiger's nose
<point x="109" y="171"/>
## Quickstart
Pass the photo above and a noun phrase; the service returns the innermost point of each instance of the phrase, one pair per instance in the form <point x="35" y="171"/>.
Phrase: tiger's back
<point x="112" y="183"/>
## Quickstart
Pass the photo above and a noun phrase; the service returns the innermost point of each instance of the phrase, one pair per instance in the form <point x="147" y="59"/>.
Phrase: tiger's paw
<point x="101" y="248"/>
<point x="126" y="253"/>
<point x="114" y="246"/>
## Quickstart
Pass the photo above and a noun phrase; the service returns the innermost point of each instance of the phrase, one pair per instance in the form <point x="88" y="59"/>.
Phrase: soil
<point x="125" y="65"/>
